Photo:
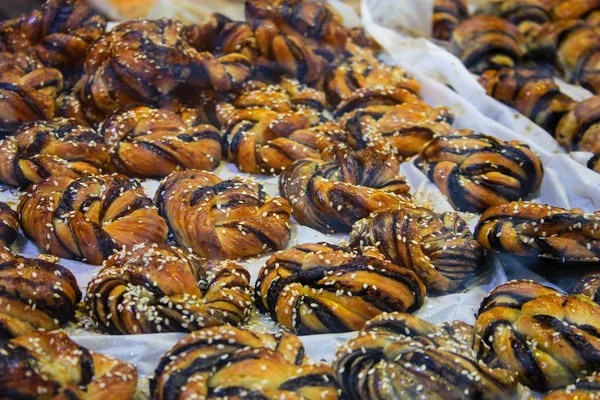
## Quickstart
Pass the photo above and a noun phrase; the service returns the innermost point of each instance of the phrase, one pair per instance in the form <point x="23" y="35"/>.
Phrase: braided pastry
<point x="525" y="14"/>
<point x="531" y="92"/>
<point x="589" y="286"/>
<point x="536" y="230"/>
<point x="406" y="128"/>
<point x="587" y="388"/>
<point x="147" y="142"/>
<point x="159" y="288"/>
<point x="399" y="356"/>
<point x="440" y="249"/>
<point x="297" y="37"/>
<point x="34" y="295"/>
<point x="227" y="362"/>
<point x="487" y="42"/>
<point x="145" y="62"/>
<point x="27" y="98"/>
<point x="446" y="15"/>
<point x="9" y="224"/>
<point x="260" y="133"/>
<point x="363" y="72"/>
<point x="60" y="33"/>
<point x="572" y="46"/>
<point x="59" y="147"/>
<point x="332" y="196"/>
<point x="52" y="366"/>
<point x="579" y="130"/>
<point x="548" y="338"/>
<point x="321" y="288"/>
<point x="222" y="219"/>
<point x="375" y="96"/>
<point x="20" y="63"/>
<point x="476" y="171"/>
<point x="90" y="217"/>
<point x="589" y="10"/>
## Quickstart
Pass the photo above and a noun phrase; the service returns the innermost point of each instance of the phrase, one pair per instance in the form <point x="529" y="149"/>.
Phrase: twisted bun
<point x="34" y="295"/>
<point x="406" y="128"/>
<point x="231" y="362"/>
<point x="50" y="365"/>
<point x="298" y="38"/>
<point x="321" y="288"/>
<point x="572" y="47"/>
<point x="400" y="356"/>
<point x="90" y="217"/>
<point x="447" y="14"/>
<point x="476" y="171"/>
<point x="375" y="96"/>
<point x="9" y="224"/>
<point x="587" y="388"/>
<point x="589" y="286"/>
<point x="27" y="98"/>
<point x="579" y="130"/>
<point x="332" y="196"/>
<point x="537" y="230"/>
<point x="534" y="94"/>
<point x="159" y="288"/>
<point x="589" y="10"/>
<point x="523" y="13"/>
<point x="550" y="339"/>
<point x="59" y="147"/>
<point x="222" y="219"/>
<point x="147" y="142"/>
<point x="60" y="33"/>
<point x="364" y="72"/>
<point x="440" y="249"/>
<point x="487" y="42"/>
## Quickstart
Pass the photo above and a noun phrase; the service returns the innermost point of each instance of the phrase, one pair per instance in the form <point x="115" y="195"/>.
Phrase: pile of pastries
<point x="85" y="113"/>
<point x="519" y="46"/>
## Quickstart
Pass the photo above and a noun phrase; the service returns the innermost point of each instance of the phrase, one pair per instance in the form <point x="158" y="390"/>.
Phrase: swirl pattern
<point x="230" y="362"/>
<point x="148" y="142"/>
<point x="321" y="288"/>
<point x="400" y="356"/>
<point x="587" y="388"/>
<point x="332" y="196"/>
<point x="50" y="365"/>
<point x="90" y="217"/>
<point x="447" y="14"/>
<point x="222" y="219"/>
<point x="157" y="288"/>
<point x="9" y="224"/>
<point x="59" y="147"/>
<point x="440" y="249"/>
<point x="476" y="171"/>
<point x="537" y="230"/>
<point x="579" y="130"/>
<point x="589" y="286"/>
<point x="548" y="338"/>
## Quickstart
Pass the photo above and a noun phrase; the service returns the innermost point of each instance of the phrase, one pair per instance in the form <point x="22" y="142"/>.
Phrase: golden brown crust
<point x="9" y="224"/>
<point x="158" y="288"/>
<point x="332" y="196"/>
<point x="90" y="217"/>
<point x="406" y="128"/>
<point x="550" y="339"/>
<point x="588" y="10"/>
<point x="579" y="130"/>
<point x="59" y="147"/>
<point x="149" y="142"/>
<point x="401" y="356"/>
<point x="589" y="286"/>
<point x="525" y="14"/>
<point x="60" y="32"/>
<point x="321" y="288"/>
<point x="476" y="171"/>
<point x="363" y="72"/>
<point x="231" y="362"/>
<point x="34" y="295"/>
<point x="587" y="388"/>
<point x="487" y="42"/>
<point x="534" y="94"/>
<point x="446" y="15"/>
<point x="52" y="366"/>
<point x="375" y="96"/>
<point x="537" y="230"/>
<point x="222" y="219"/>
<point x="440" y="249"/>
